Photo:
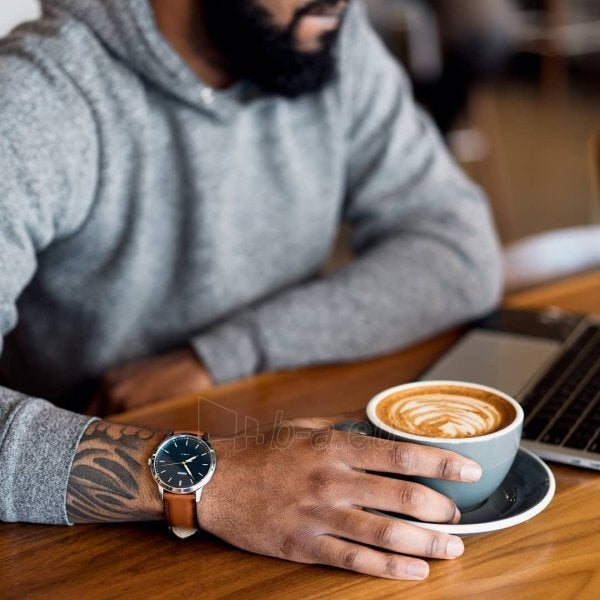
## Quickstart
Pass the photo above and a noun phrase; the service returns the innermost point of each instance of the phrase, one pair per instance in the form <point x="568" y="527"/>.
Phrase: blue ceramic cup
<point x="495" y="451"/>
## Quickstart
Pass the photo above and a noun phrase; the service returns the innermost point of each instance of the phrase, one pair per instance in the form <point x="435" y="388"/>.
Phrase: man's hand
<point x="150" y="379"/>
<point x="299" y="494"/>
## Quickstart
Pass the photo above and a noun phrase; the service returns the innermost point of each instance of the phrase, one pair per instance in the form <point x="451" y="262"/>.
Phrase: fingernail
<point x="455" y="547"/>
<point x="470" y="472"/>
<point x="418" y="570"/>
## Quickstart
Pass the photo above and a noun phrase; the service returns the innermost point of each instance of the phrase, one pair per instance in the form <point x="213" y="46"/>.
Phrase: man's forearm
<point x="403" y="289"/>
<point x="110" y="479"/>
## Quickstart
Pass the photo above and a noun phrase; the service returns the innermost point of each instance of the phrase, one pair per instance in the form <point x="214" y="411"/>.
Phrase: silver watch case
<point x="196" y="488"/>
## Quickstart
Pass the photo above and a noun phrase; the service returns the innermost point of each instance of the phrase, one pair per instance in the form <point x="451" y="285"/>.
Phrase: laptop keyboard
<point x="563" y="409"/>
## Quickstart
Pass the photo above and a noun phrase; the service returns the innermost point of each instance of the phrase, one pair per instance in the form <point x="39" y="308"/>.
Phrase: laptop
<point x="550" y="362"/>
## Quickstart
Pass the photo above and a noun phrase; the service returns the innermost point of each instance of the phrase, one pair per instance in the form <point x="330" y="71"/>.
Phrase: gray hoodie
<point x="141" y="210"/>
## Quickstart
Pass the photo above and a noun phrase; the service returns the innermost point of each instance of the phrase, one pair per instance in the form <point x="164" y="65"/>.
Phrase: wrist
<point x="109" y="479"/>
<point x="150" y="501"/>
<point x="208" y="508"/>
<point x="181" y="467"/>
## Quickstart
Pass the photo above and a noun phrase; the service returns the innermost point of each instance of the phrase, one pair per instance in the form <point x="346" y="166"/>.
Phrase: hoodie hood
<point x="129" y="30"/>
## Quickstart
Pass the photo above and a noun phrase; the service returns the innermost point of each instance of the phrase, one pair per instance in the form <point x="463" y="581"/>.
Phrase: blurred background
<point x="13" y="12"/>
<point x="515" y="87"/>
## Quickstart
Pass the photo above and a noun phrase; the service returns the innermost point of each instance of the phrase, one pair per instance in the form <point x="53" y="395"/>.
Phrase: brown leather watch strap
<point x="182" y="431"/>
<point x="180" y="510"/>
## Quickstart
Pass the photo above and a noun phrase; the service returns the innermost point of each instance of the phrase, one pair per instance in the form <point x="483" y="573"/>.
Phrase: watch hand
<point x="186" y="468"/>
<point x="190" y="459"/>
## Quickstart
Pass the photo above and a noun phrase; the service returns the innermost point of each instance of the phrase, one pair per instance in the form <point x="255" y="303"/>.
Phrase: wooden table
<point x="554" y="556"/>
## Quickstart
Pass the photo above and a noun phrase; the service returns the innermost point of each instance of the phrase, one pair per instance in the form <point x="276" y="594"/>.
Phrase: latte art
<point x="445" y="413"/>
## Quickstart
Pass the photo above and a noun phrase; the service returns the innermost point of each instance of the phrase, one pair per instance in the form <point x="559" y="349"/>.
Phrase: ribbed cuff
<point x="37" y="452"/>
<point x="229" y="351"/>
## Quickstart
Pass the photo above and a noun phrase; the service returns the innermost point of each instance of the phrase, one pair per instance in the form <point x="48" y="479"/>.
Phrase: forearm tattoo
<point x="109" y="478"/>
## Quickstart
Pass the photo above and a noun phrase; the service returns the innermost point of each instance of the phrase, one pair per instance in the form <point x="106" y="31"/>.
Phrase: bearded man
<point x="173" y="175"/>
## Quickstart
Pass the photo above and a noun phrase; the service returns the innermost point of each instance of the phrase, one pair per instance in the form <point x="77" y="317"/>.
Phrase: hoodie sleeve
<point x="47" y="176"/>
<point x="427" y="253"/>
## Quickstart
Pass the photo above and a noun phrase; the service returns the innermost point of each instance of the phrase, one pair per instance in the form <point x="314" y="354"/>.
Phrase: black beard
<point x="254" y="49"/>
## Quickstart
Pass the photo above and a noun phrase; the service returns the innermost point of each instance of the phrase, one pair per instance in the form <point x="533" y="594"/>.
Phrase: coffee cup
<point x="476" y="421"/>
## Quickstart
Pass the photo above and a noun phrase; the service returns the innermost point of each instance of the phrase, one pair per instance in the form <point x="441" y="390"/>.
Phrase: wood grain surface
<point x="556" y="555"/>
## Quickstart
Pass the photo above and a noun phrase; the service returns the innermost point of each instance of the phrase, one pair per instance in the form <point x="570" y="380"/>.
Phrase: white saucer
<point x="525" y="492"/>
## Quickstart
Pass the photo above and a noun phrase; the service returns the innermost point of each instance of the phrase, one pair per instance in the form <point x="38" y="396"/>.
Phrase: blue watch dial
<point x="183" y="461"/>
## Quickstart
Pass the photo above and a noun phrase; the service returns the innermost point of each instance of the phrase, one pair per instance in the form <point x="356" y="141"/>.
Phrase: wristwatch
<point x="182" y="465"/>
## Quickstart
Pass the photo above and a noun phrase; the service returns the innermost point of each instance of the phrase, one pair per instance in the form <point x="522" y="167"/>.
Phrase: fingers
<point x="411" y="459"/>
<point x="377" y="454"/>
<point x="354" y="557"/>
<point x="94" y="408"/>
<point x="396" y="495"/>
<point x="152" y="379"/>
<point x="390" y="534"/>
